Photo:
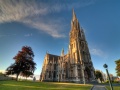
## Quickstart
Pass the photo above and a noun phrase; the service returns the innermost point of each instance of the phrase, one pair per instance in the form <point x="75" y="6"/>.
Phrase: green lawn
<point x="114" y="87"/>
<point x="29" y="85"/>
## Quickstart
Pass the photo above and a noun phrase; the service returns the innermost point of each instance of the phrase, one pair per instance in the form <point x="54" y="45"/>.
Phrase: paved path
<point x="98" y="87"/>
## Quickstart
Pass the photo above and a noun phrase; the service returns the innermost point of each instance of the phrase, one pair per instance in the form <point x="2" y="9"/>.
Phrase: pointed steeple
<point x="74" y="15"/>
<point x="74" y="21"/>
<point x="62" y="52"/>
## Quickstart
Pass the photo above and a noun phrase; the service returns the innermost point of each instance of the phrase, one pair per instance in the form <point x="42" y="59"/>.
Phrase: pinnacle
<point x="74" y="15"/>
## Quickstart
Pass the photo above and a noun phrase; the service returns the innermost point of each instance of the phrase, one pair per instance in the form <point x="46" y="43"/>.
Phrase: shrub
<point x="114" y="81"/>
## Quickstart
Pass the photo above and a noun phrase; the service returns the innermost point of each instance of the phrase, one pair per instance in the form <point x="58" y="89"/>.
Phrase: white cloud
<point x="26" y="12"/>
<point x="15" y="10"/>
<point x="49" y="27"/>
<point x="30" y="13"/>
<point x="28" y="35"/>
<point x="98" y="52"/>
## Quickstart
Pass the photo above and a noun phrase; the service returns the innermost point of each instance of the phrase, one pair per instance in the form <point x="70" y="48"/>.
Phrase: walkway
<point x="98" y="87"/>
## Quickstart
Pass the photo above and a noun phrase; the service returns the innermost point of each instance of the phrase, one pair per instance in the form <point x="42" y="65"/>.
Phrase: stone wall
<point x="2" y="77"/>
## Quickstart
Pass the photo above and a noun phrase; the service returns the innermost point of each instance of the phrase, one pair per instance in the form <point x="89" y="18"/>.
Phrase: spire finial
<point x="74" y="16"/>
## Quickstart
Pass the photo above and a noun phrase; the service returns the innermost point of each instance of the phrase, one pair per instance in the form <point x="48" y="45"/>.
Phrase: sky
<point x="44" y="25"/>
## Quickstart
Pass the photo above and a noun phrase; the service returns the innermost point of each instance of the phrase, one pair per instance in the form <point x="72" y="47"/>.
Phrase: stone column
<point x="58" y="73"/>
<point x="76" y="73"/>
<point x="61" y="77"/>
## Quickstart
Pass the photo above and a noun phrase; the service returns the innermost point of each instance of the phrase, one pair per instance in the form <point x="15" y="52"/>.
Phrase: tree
<point x="24" y="64"/>
<point x="111" y="77"/>
<point x="98" y="75"/>
<point x="117" y="67"/>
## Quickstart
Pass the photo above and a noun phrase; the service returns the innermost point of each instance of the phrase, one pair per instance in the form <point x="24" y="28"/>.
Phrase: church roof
<point x="51" y="56"/>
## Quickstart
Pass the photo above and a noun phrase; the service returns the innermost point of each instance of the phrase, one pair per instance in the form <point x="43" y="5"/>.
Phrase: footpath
<point x="98" y="87"/>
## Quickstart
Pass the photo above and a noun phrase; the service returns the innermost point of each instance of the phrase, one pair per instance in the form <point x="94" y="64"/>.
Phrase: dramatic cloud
<point x="15" y="10"/>
<point x="26" y="11"/>
<point x="50" y="27"/>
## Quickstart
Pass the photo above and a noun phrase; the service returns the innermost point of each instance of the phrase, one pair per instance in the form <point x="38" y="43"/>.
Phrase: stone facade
<point x="76" y="65"/>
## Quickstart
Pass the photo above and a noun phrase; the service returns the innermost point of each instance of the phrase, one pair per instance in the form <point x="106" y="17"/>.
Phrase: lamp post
<point x="106" y="66"/>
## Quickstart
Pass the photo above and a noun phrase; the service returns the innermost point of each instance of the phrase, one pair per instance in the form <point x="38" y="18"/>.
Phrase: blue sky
<point x="44" y="25"/>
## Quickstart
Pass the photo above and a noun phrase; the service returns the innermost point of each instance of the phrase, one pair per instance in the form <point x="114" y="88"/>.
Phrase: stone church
<point x="76" y="65"/>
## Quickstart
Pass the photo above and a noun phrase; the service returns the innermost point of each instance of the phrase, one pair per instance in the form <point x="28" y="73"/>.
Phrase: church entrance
<point x="87" y="73"/>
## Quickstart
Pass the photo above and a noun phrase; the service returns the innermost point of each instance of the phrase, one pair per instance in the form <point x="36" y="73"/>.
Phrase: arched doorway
<point x="66" y="70"/>
<point x="88" y="73"/>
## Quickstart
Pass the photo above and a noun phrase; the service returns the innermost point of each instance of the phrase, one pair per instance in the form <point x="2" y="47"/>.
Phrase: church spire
<point x="62" y="52"/>
<point x="74" y="21"/>
<point x="74" y="15"/>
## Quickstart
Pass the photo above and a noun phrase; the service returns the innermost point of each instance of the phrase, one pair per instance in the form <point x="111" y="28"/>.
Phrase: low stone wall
<point x="2" y="77"/>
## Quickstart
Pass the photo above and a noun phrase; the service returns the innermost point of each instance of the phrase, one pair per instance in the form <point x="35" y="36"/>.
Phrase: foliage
<point x="113" y="81"/>
<point x="0" y="73"/>
<point x="28" y="85"/>
<point x="24" y="64"/>
<point x="117" y="67"/>
<point x="98" y="75"/>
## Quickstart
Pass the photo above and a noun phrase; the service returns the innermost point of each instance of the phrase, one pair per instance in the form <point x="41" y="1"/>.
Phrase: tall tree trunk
<point x="17" y="77"/>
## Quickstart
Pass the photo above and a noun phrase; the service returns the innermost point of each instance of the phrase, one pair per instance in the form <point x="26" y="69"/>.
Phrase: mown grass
<point x="29" y="85"/>
<point x="114" y="87"/>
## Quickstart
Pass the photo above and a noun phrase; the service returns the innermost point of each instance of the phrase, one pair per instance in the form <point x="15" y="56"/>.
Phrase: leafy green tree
<point x="117" y="67"/>
<point x="24" y="64"/>
<point x="98" y="75"/>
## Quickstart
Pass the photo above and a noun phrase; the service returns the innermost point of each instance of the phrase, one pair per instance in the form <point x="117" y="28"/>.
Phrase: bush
<point x="115" y="81"/>
<point x="106" y="81"/>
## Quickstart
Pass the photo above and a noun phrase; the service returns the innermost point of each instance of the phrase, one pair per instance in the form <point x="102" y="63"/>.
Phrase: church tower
<point x="74" y="35"/>
<point x="76" y="65"/>
<point x="80" y="60"/>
